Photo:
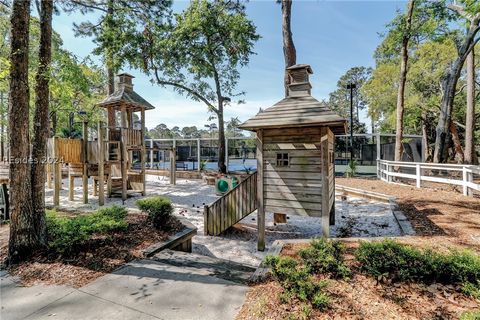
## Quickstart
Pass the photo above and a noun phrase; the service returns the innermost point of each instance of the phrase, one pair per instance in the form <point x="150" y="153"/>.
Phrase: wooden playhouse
<point x="117" y="155"/>
<point x="295" y="158"/>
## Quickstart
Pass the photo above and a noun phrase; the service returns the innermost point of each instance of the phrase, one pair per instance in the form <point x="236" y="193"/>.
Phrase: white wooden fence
<point x="453" y="174"/>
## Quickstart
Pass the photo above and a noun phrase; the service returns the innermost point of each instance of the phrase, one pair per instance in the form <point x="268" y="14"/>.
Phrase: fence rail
<point x="453" y="174"/>
<point x="232" y="207"/>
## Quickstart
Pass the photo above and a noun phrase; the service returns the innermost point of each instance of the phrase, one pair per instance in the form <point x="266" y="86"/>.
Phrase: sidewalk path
<point x="143" y="289"/>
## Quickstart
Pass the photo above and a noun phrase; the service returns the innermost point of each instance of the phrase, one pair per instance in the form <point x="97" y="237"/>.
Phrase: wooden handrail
<point x="232" y="207"/>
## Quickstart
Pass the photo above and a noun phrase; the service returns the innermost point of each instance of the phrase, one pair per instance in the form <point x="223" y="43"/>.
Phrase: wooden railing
<point x="231" y="207"/>
<point x="453" y="174"/>
<point x="132" y="137"/>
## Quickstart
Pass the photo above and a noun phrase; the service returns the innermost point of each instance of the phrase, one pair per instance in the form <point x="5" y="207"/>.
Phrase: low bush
<point x="470" y="315"/>
<point x="405" y="263"/>
<point x="324" y="256"/>
<point x="297" y="282"/>
<point x="66" y="234"/>
<point x="159" y="210"/>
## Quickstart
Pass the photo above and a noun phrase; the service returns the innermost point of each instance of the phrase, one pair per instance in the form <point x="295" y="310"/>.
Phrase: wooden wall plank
<point x="293" y="204"/>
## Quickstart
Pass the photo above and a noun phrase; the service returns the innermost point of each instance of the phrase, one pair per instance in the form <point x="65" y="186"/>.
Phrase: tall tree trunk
<point x="449" y="85"/>
<point x="401" y="86"/>
<point x="470" y="112"/>
<point x="457" y="144"/>
<point x="2" y="128"/>
<point x="426" y="149"/>
<point x="23" y="234"/>
<point x="289" y="51"/>
<point x="221" y="139"/>
<point x="110" y="71"/>
<point x="41" y="123"/>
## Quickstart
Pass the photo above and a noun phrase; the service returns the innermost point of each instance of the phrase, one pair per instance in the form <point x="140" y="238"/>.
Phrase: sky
<point x="331" y="36"/>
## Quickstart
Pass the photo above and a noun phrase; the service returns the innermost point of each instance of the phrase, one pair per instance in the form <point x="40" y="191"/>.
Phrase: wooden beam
<point x="57" y="174"/>
<point x="325" y="189"/>
<point x="71" y="186"/>
<point x="49" y="175"/>
<point x="124" y="159"/>
<point x="85" y="162"/>
<point x="173" y="166"/>
<point x="143" y="155"/>
<point x="199" y="154"/>
<point x="101" y="164"/>
<point x="260" y="203"/>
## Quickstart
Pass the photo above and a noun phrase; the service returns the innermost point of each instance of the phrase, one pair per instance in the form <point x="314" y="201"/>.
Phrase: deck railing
<point x="231" y="207"/>
<point x="453" y="174"/>
<point x="132" y="137"/>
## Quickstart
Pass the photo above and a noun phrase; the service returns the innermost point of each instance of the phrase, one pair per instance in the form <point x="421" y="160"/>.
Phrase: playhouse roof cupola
<point x="124" y="95"/>
<point x="299" y="82"/>
<point x="298" y="109"/>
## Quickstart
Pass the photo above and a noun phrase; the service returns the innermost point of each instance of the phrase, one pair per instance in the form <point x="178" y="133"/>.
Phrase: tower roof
<point x="298" y="109"/>
<point x="124" y="95"/>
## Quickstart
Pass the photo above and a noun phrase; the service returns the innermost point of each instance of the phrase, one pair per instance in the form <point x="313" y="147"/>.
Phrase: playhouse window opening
<point x="282" y="159"/>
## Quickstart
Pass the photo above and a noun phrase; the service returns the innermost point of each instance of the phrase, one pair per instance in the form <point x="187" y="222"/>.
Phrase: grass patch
<point x="67" y="234"/>
<point x="159" y="210"/>
<point x="400" y="262"/>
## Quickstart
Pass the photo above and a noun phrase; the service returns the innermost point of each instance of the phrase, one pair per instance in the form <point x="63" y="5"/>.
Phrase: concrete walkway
<point x="143" y="289"/>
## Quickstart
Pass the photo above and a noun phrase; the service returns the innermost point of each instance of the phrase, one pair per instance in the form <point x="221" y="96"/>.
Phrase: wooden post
<point x="464" y="181"/>
<point x="143" y="152"/>
<point x="101" y="165"/>
<point x="205" y="220"/>
<point x="124" y="159"/>
<point x="419" y="175"/>
<point x="173" y="166"/>
<point x="49" y="174"/>
<point x="57" y="174"/>
<point x="325" y="186"/>
<point x="85" y="162"/>
<point x="71" y="185"/>
<point x="124" y="152"/>
<point x="226" y="153"/>
<point x="379" y="148"/>
<point x="198" y="154"/>
<point x="151" y="154"/>
<point x="260" y="204"/>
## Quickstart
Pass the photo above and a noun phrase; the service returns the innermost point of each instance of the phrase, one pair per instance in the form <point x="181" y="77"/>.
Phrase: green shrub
<point x="159" y="210"/>
<point x="66" y="234"/>
<point x="471" y="289"/>
<point x="405" y="263"/>
<point x="351" y="170"/>
<point x="296" y="281"/>
<point x="321" y="300"/>
<point x="324" y="256"/>
<point x="471" y="315"/>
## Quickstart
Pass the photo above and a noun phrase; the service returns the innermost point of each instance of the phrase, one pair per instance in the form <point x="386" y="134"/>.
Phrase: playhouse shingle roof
<point x="126" y="95"/>
<point x="296" y="111"/>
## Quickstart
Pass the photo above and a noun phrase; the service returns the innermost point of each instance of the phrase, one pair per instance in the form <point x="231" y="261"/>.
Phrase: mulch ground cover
<point x="442" y="218"/>
<point x="440" y="215"/>
<point x="101" y="254"/>
<point x="360" y="297"/>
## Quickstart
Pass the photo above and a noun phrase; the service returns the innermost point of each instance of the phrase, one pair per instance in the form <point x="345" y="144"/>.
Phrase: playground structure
<point x="295" y="162"/>
<point x="117" y="155"/>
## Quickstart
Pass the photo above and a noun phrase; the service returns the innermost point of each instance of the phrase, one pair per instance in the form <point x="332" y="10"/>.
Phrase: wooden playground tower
<point x="116" y="157"/>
